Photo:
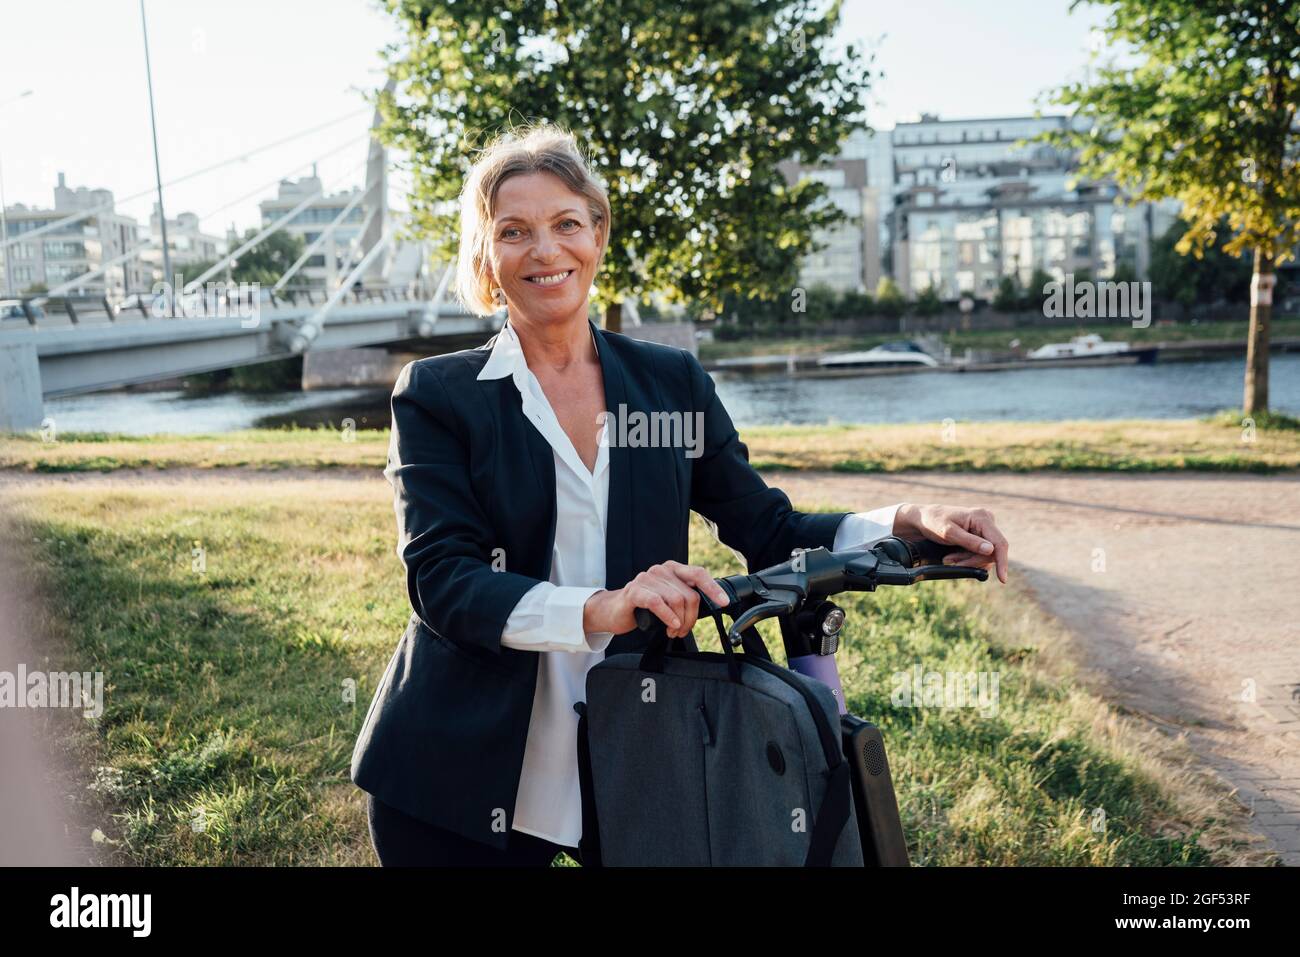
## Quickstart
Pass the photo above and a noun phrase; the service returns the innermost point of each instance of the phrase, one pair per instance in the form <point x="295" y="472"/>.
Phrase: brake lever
<point x="761" y="612"/>
<point x="889" y="573"/>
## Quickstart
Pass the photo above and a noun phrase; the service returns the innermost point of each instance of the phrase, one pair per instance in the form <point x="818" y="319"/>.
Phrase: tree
<point x="270" y="259"/>
<point x="820" y="305"/>
<point x="1187" y="280"/>
<point x="854" y="305"/>
<point x="927" y="302"/>
<point x="889" y="298"/>
<point x="683" y="109"/>
<point x="1207" y="116"/>
<point x="265" y="263"/>
<point x="1033" y="295"/>
<point x="1125" y="271"/>
<point x="1008" y="297"/>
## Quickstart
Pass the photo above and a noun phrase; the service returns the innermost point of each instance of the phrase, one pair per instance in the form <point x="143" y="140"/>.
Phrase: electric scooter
<point x="797" y="593"/>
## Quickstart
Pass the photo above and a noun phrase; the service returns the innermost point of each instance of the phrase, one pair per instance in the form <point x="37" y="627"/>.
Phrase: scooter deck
<point x="881" y="829"/>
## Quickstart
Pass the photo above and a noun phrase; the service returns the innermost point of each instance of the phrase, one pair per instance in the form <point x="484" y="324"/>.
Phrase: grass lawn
<point x="321" y="448"/>
<point x="242" y="627"/>
<point x="1135" y="445"/>
<point x="1213" y="444"/>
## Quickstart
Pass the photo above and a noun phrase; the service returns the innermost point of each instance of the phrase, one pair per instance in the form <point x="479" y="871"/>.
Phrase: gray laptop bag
<point x="712" y="759"/>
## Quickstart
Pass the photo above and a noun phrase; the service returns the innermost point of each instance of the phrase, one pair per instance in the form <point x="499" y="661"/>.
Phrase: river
<point x="1171" y="390"/>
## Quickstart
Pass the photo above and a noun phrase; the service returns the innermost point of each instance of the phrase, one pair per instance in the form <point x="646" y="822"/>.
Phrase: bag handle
<point x="836" y="803"/>
<point x="589" y="843"/>
<point x="652" y="659"/>
<point x="831" y="817"/>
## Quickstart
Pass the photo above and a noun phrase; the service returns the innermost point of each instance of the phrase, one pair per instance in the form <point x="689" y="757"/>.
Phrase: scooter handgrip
<point x="646" y="620"/>
<point x="930" y="552"/>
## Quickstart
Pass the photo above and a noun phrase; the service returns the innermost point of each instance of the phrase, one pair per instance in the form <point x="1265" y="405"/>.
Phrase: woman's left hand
<point x="972" y="529"/>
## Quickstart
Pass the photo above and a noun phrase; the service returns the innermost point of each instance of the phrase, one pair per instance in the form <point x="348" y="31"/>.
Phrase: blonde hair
<point x="540" y="148"/>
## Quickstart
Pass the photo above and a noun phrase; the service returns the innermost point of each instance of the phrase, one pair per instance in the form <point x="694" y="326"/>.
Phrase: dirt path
<point x="45" y="814"/>
<point x="1183" y="591"/>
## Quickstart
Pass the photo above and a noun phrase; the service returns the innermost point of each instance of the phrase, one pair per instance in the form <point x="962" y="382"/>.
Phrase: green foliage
<point x="927" y="302"/>
<point x="281" y="375"/>
<point x="1266" y="420"/>
<point x="854" y="305"/>
<point x="1008" y="297"/>
<point x="822" y="306"/>
<point x="889" y="298"/>
<point x="804" y="311"/>
<point x="1034" y="295"/>
<point x="684" y="111"/>
<point x="1213" y="276"/>
<point x="265" y="263"/>
<point x="1124" y="272"/>
<point x="1200" y="107"/>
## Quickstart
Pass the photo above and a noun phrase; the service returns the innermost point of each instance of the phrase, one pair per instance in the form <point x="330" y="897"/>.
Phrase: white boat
<point x="889" y="355"/>
<point x="1080" y="347"/>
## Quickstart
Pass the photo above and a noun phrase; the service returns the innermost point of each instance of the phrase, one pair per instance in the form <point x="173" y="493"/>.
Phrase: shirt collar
<point x="507" y="359"/>
<point x="507" y="356"/>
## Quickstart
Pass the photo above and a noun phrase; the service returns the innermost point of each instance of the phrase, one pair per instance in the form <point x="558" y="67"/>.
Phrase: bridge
<point x="96" y="353"/>
<point x="63" y="343"/>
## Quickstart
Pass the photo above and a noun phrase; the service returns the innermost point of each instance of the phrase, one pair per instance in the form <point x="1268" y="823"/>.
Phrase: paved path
<point x="1183" y="591"/>
<point x="39" y="787"/>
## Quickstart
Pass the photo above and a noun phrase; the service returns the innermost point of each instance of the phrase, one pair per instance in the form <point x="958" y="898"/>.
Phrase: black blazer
<point x="444" y="737"/>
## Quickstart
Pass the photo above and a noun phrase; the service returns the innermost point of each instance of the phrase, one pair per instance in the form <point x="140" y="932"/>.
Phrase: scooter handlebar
<point x="891" y="561"/>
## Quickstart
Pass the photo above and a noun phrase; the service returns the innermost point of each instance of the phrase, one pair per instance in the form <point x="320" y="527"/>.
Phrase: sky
<point x="232" y="76"/>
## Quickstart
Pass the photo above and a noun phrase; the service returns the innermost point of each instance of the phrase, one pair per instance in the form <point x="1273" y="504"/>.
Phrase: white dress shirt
<point x="548" y="619"/>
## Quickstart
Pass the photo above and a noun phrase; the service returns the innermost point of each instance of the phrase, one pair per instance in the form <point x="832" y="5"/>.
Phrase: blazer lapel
<point x="620" y="554"/>
<point x="540" y="453"/>
<point x="619" y="550"/>
<point x="543" y="459"/>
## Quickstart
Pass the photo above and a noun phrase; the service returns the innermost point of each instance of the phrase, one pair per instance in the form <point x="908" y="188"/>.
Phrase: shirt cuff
<point x="863" y="529"/>
<point x="562" y="619"/>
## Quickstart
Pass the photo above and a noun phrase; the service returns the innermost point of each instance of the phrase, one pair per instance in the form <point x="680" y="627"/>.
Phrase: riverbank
<point x="1220" y="443"/>
<point x="1029" y="337"/>
<point x="807" y="365"/>
<point x="242" y="625"/>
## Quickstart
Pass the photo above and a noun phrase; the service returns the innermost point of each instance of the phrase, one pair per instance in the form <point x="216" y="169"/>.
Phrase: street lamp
<point x="15" y="99"/>
<point x="157" y="170"/>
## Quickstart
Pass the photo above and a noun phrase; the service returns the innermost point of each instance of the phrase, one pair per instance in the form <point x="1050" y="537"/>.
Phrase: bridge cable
<point x="264" y="234"/>
<point x="106" y="207"/>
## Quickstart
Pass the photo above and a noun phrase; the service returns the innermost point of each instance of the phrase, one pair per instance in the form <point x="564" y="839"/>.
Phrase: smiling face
<point x="545" y="248"/>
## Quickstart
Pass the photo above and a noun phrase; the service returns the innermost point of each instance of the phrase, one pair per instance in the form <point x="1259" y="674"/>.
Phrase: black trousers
<point x="403" y="841"/>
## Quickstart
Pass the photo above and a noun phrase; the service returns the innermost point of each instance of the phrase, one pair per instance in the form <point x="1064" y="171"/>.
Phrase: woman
<point x="531" y="528"/>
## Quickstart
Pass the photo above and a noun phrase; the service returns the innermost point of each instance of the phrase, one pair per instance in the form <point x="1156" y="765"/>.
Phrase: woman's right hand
<point x="666" y="590"/>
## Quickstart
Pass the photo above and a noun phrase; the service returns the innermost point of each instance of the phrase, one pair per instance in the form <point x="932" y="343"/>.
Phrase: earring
<point x="499" y="295"/>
